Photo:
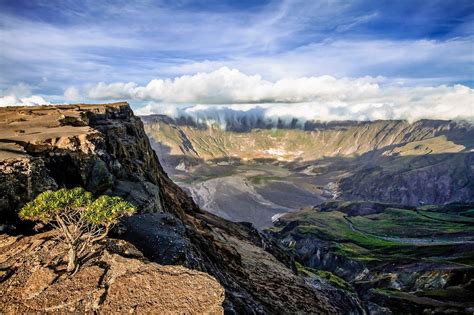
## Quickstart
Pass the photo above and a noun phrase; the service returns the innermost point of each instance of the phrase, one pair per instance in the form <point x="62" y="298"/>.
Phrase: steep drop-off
<point x="104" y="149"/>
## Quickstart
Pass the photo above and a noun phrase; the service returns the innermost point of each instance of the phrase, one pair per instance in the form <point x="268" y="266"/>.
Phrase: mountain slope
<point x="412" y="260"/>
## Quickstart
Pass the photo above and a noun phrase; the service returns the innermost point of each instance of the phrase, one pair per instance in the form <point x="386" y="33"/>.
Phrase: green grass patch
<point x="334" y="280"/>
<point x="262" y="179"/>
<point x="456" y="294"/>
<point x="365" y="243"/>
<point x="411" y="223"/>
<point x="329" y="276"/>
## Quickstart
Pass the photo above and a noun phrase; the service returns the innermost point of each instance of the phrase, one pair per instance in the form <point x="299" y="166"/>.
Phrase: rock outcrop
<point x="101" y="148"/>
<point x="115" y="279"/>
<point x="104" y="149"/>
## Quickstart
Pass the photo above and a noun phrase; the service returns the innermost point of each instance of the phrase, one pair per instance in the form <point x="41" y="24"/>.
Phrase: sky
<point x="326" y="59"/>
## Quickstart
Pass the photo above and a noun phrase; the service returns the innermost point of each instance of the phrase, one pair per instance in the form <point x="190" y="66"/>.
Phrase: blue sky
<point x="48" y="46"/>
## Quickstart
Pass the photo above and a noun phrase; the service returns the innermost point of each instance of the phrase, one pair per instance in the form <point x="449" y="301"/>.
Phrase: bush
<point x="81" y="220"/>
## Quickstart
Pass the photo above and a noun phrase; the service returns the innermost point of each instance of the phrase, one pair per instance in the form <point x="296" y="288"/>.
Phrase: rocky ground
<point x="116" y="278"/>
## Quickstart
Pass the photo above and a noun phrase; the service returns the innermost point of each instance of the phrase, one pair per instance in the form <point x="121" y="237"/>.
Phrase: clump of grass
<point x="329" y="276"/>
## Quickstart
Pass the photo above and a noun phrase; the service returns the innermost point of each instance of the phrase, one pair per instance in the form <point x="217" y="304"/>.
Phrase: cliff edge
<point x="104" y="149"/>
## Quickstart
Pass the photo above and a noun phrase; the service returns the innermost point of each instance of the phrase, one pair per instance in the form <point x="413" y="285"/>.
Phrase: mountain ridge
<point x="245" y="123"/>
<point x="428" y="161"/>
<point x="349" y="138"/>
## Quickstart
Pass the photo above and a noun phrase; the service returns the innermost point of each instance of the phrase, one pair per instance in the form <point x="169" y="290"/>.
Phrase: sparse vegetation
<point x="327" y="275"/>
<point x="391" y="235"/>
<point x="80" y="220"/>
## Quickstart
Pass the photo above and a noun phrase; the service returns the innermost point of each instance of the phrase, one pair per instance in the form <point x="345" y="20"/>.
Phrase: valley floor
<point x="252" y="192"/>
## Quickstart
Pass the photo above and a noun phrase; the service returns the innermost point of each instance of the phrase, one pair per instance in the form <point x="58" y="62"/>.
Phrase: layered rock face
<point x="104" y="149"/>
<point x="101" y="148"/>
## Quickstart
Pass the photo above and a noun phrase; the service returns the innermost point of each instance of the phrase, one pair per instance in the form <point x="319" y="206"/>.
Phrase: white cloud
<point x="20" y="95"/>
<point x="163" y="109"/>
<point x="430" y="103"/>
<point x="232" y="86"/>
<point x="13" y="100"/>
<point x="438" y="61"/>
<point x="230" y="92"/>
<point x="72" y="94"/>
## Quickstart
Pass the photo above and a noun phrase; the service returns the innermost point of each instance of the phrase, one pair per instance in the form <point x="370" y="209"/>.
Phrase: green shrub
<point x="79" y="218"/>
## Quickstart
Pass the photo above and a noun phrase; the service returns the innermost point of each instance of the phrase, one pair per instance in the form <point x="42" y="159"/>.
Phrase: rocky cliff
<point x="104" y="148"/>
<point x="101" y="148"/>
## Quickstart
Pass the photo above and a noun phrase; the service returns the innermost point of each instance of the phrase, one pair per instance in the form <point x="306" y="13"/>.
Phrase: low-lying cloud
<point x="230" y="92"/>
<point x="20" y="95"/>
<point x="227" y="86"/>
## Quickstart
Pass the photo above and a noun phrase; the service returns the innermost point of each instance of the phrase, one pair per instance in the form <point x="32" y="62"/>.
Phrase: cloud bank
<point x="224" y="86"/>
<point x="226" y="91"/>
<point x="20" y="95"/>
<point x="224" y="94"/>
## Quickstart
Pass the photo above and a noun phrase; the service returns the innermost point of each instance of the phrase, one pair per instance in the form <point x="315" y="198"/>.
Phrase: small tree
<point x="81" y="220"/>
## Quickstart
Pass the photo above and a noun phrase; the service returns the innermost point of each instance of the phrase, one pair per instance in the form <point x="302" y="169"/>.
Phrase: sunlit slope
<point x="348" y="139"/>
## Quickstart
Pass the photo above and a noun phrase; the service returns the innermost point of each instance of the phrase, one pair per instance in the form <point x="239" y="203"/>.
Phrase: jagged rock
<point x="100" y="178"/>
<point x="36" y="282"/>
<point x="21" y="179"/>
<point x="161" y="237"/>
<point x="317" y="254"/>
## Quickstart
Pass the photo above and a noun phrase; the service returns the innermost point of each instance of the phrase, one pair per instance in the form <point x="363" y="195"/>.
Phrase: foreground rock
<point x="33" y="279"/>
<point x="102" y="148"/>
